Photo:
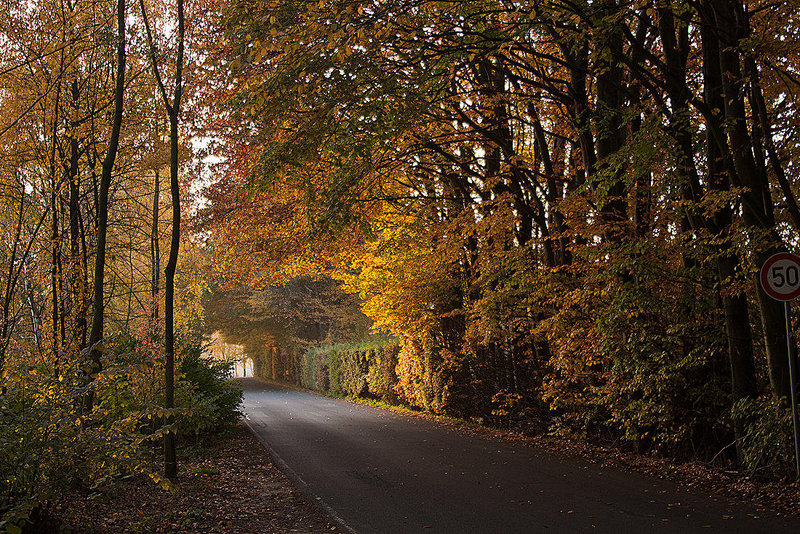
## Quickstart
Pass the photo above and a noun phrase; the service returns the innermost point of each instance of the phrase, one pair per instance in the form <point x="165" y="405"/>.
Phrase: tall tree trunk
<point x="12" y="275"/>
<point x="55" y="241"/>
<point x="96" y="334"/>
<point x="613" y="205"/>
<point x="77" y="257"/>
<point x="77" y="260"/>
<point x="731" y="24"/>
<point x="55" y="260"/>
<point x="737" y="321"/>
<point x="173" y="112"/>
<point x="675" y="43"/>
<point x="155" y="253"/>
<point x="170" y="461"/>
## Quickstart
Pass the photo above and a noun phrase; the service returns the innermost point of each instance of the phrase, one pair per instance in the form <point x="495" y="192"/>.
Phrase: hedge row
<point x="364" y="370"/>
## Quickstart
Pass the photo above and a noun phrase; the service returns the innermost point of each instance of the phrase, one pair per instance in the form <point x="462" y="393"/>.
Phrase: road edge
<point x="708" y="480"/>
<point x="299" y="482"/>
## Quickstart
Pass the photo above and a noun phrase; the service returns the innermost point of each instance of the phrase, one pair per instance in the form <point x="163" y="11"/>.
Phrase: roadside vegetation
<point x="50" y="447"/>
<point x="558" y="211"/>
<point x="227" y="484"/>
<point x="101" y="370"/>
<point x="542" y="216"/>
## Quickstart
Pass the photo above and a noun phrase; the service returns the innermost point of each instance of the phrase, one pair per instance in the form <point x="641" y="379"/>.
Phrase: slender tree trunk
<point x="7" y="327"/>
<point x="759" y="107"/>
<point x="129" y="310"/>
<point x="55" y="242"/>
<point x="555" y="219"/>
<point x="610" y="132"/>
<point x="155" y="253"/>
<point x="96" y="334"/>
<point x="77" y="258"/>
<point x="577" y="60"/>
<point x="731" y="26"/>
<point x="170" y="462"/>
<point x="173" y="112"/>
<point x="35" y="320"/>
<point x="737" y="321"/>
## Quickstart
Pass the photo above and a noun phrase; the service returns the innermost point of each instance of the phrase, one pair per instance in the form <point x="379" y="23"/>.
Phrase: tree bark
<point x="155" y="253"/>
<point x="173" y="112"/>
<point x="77" y="259"/>
<point x="757" y="207"/>
<point x="610" y="132"/>
<point x="96" y="334"/>
<point x="737" y="321"/>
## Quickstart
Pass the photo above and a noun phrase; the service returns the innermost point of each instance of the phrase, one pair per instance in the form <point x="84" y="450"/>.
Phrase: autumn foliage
<point x="558" y="209"/>
<point x="84" y="160"/>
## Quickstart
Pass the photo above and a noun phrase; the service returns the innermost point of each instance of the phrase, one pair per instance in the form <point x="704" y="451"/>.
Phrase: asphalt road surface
<point x="379" y="471"/>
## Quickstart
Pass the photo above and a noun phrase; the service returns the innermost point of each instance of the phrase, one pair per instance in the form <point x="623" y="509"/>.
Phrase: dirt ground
<point x="229" y="486"/>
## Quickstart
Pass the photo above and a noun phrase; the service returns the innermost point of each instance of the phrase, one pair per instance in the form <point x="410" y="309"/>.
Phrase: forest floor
<point x="226" y="484"/>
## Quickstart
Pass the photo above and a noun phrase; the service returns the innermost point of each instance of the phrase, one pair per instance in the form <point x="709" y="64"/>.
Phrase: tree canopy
<point x="563" y="201"/>
<point x="548" y="215"/>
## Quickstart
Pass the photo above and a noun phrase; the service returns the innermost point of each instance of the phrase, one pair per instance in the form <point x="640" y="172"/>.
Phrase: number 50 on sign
<point x="780" y="276"/>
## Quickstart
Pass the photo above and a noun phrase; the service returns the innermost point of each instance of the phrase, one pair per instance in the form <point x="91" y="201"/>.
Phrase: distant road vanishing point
<point x="376" y="471"/>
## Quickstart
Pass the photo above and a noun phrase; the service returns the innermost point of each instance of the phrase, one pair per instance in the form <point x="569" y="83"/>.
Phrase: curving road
<point x="378" y="471"/>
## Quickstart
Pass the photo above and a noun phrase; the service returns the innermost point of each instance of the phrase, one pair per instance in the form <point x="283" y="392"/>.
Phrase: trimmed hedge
<point x="362" y="370"/>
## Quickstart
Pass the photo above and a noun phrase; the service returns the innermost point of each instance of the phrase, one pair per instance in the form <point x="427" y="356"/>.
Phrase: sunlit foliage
<point x="558" y="209"/>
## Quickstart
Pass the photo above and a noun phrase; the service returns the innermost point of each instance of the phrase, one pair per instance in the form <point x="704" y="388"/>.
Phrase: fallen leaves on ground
<point x="230" y="486"/>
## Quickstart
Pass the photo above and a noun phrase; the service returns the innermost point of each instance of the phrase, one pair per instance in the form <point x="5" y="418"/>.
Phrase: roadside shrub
<point x="308" y="377"/>
<point x="315" y="372"/>
<point x="347" y="372"/>
<point x="211" y="401"/>
<point x="353" y="372"/>
<point x="334" y="364"/>
<point x="419" y="376"/>
<point x="49" y="442"/>
<point x="322" y="379"/>
<point x="381" y="374"/>
<point x="766" y="448"/>
<point x="359" y="370"/>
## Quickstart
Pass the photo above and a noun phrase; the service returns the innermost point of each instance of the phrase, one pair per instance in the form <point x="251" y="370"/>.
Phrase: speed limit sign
<point x="780" y="276"/>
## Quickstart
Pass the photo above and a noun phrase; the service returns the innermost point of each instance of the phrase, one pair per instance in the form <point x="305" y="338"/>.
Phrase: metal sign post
<point x="793" y="388"/>
<point x="780" y="278"/>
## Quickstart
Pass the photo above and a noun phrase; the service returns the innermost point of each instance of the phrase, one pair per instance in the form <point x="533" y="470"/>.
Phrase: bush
<point x="333" y="362"/>
<point x="420" y="377"/>
<point x="381" y="374"/>
<point x="347" y="371"/>
<point x="204" y="390"/>
<point x="48" y="442"/>
<point x="308" y="376"/>
<point x="359" y="370"/>
<point x="766" y="447"/>
<point x="315" y="373"/>
<point x="353" y="373"/>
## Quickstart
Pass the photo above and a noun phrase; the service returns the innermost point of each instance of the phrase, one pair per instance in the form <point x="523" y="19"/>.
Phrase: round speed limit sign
<point x="780" y="276"/>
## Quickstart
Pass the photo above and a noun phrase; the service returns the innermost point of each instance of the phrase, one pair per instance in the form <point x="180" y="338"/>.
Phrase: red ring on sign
<point x="764" y="274"/>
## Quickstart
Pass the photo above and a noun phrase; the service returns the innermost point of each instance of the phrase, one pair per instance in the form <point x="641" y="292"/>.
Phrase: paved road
<point x="379" y="471"/>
